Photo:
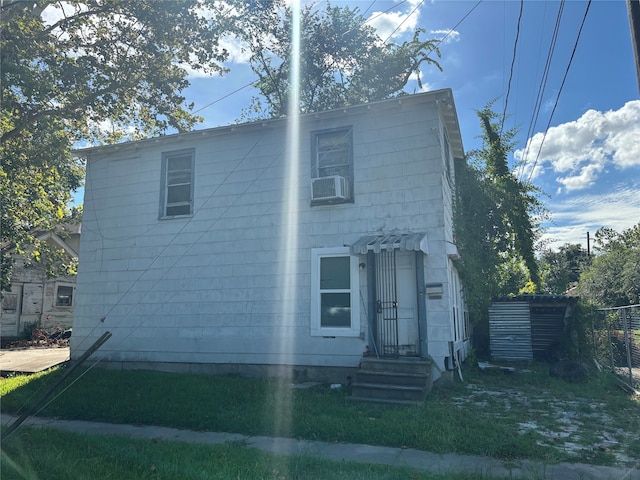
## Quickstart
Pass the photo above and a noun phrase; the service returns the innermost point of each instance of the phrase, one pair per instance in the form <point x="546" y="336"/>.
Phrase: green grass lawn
<point x="484" y="416"/>
<point x="63" y="455"/>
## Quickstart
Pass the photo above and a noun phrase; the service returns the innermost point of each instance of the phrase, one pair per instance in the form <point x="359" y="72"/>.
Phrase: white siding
<point x="210" y="288"/>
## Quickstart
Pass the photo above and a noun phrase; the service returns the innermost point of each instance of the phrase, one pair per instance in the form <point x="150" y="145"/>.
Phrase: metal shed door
<point x="510" y="331"/>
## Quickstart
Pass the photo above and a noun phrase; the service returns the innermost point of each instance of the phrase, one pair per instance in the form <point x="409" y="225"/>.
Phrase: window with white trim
<point x="332" y="166"/>
<point x="334" y="293"/>
<point x="177" y="183"/>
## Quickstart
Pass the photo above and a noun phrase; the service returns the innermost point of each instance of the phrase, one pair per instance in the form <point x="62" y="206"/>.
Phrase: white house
<point x="35" y="299"/>
<point x="296" y="244"/>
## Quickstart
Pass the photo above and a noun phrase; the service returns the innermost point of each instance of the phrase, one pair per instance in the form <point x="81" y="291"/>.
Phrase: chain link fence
<point x="615" y="333"/>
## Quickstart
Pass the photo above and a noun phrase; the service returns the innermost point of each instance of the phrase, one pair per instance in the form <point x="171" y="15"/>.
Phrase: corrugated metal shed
<point x="510" y="331"/>
<point x="523" y="328"/>
<point x="547" y="326"/>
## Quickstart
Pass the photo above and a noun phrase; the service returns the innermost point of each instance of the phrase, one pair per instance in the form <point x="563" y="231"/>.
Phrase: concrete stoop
<point x="398" y="381"/>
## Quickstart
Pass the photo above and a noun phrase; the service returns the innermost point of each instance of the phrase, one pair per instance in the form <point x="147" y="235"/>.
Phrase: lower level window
<point x="335" y="290"/>
<point x="64" y="296"/>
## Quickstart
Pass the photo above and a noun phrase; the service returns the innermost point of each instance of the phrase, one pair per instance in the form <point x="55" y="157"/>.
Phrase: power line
<point x="369" y="7"/>
<point x="564" y="78"/>
<point x="403" y="21"/>
<point x="543" y="82"/>
<point x="513" y="61"/>
<point x="225" y="96"/>
<point x="544" y="17"/>
<point x="457" y="24"/>
<point x="394" y="7"/>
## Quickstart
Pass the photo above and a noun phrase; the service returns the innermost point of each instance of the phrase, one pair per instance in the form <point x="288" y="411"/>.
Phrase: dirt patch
<point x="577" y="427"/>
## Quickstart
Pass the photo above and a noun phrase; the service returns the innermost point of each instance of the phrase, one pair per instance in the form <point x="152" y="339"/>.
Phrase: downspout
<point x="422" y="306"/>
<point x="371" y="302"/>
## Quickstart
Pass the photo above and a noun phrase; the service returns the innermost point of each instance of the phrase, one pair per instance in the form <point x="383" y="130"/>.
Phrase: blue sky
<point x="589" y="163"/>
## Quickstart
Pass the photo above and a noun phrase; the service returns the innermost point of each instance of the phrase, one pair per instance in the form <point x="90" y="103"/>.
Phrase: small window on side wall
<point x="334" y="293"/>
<point x="177" y="183"/>
<point x="64" y="296"/>
<point x="332" y="166"/>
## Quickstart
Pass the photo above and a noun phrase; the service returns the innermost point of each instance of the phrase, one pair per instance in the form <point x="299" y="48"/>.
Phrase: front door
<point x="396" y="305"/>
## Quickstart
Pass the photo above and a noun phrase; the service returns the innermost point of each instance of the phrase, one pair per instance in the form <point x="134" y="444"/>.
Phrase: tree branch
<point x="55" y="112"/>
<point x="9" y="10"/>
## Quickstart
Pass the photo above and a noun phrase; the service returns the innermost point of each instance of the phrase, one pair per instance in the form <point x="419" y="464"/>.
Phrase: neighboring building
<point x="302" y="242"/>
<point x="35" y="298"/>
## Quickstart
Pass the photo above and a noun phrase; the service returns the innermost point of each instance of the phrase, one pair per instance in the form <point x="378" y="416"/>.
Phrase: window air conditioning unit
<point x="334" y="187"/>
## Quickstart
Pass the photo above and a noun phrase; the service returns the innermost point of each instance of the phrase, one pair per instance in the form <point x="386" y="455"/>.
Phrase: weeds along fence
<point x="616" y="341"/>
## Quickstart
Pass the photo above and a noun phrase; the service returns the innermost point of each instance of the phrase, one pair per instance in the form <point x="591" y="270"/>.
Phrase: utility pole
<point x="633" y="7"/>
<point x="588" y="246"/>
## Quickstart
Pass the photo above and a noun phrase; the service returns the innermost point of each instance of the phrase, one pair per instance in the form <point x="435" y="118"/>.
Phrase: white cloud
<point x="587" y="177"/>
<point x="446" y="36"/>
<point x="426" y="86"/>
<point x="581" y="150"/>
<point x="57" y="11"/>
<point x="238" y="50"/>
<point x="618" y="209"/>
<point x="387" y="23"/>
<point x="548" y="105"/>
<point x="528" y="171"/>
<point x="238" y="54"/>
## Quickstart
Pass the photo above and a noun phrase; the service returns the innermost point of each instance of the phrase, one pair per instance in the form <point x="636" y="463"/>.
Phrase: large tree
<point x="613" y="279"/>
<point x="496" y="221"/>
<point x="562" y="268"/>
<point x="343" y="61"/>
<point x="93" y="71"/>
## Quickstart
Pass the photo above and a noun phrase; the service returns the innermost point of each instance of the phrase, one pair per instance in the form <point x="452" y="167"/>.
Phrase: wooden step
<point x="354" y="398"/>
<point x="383" y="380"/>
<point x="403" y="365"/>
<point x="392" y="378"/>
<point x="388" y="392"/>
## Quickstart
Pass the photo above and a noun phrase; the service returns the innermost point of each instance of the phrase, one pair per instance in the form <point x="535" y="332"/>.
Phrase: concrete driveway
<point x="32" y="360"/>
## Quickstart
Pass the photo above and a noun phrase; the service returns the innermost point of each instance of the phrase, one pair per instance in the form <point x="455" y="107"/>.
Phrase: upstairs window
<point x="177" y="183"/>
<point x="332" y="166"/>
